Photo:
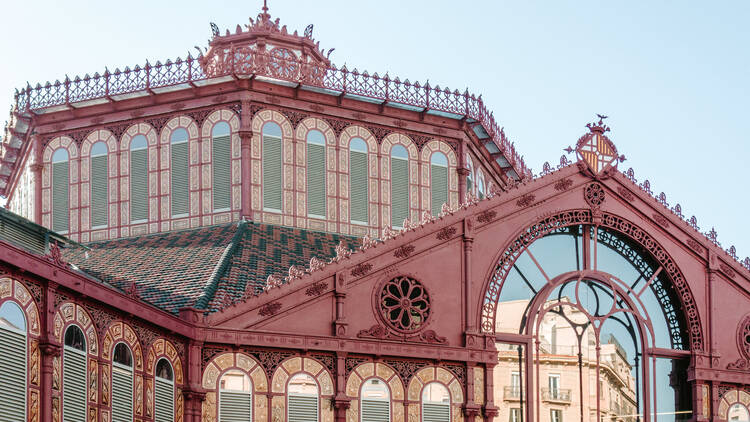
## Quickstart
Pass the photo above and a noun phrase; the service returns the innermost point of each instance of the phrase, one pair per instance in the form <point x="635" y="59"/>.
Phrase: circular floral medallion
<point x="743" y="336"/>
<point x="404" y="304"/>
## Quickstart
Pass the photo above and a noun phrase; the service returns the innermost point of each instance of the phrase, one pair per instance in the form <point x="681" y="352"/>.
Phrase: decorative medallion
<point x="404" y="304"/>
<point x="361" y="269"/>
<point x="596" y="151"/>
<point x="269" y="309"/>
<point x="526" y="200"/>
<point x="563" y="185"/>
<point x="694" y="245"/>
<point x="661" y="220"/>
<point x="404" y="251"/>
<point x="594" y="195"/>
<point x="726" y="269"/>
<point x="486" y="216"/>
<point x="316" y="289"/>
<point x="743" y="344"/>
<point x="625" y="194"/>
<point x="446" y="233"/>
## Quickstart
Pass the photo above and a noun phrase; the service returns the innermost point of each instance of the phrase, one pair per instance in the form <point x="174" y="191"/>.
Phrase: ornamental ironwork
<point x="404" y="304"/>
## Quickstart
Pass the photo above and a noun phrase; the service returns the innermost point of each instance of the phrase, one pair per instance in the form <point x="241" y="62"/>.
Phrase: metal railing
<point x="512" y="393"/>
<point x="556" y="394"/>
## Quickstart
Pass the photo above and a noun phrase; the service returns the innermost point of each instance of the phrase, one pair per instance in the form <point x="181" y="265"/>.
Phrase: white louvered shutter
<point x="399" y="191"/>
<point x="99" y="191"/>
<point x="74" y="385"/>
<point x="438" y="187"/>
<point x="358" y="186"/>
<point x="436" y="412"/>
<point x="221" y="154"/>
<point x="235" y="406"/>
<point x="376" y="410"/>
<point x="60" y="204"/>
<point x="13" y="385"/>
<point x="302" y="408"/>
<point x="272" y="176"/>
<point x="139" y="184"/>
<point x="163" y="400"/>
<point x="316" y="180"/>
<point x="180" y="178"/>
<point x="122" y="394"/>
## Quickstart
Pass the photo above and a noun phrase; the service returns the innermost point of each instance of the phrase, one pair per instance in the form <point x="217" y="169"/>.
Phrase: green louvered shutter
<point x="74" y="385"/>
<point x="436" y="412"/>
<point x="60" y="204"/>
<point x="235" y="406"/>
<point x="13" y="385"/>
<point x="302" y="408"/>
<point x="438" y="187"/>
<point x="222" y="168"/>
<point x="99" y="191"/>
<point x="316" y="180"/>
<point x="122" y="394"/>
<point x="138" y="185"/>
<point x="163" y="400"/>
<point x="399" y="191"/>
<point x="376" y="410"/>
<point x="180" y="187"/>
<point x="358" y="186"/>
<point x="272" y="177"/>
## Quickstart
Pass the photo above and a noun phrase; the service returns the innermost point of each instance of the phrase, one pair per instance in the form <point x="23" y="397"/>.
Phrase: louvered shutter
<point x="436" y="412"/>
<point x="399" y="191"/>
<point x="272" y="177"/>
<point x="122" y="394"/>
<point x="23" y="237"/>
<point x="74" y="385"/>
<point x="302" y="408"/>
<point x="316" y="180"/>
<point x="235" y="406"/>
<point x="221" y="154"/>
<point x="13" y="385"/>
<point x="60" y="204"/>
<point x="99" y="191"/>
<point x="180" y="187"/>
<point x="376" y="410"/>
<point x="163" y="400"/>
<point x="438" y="187"/>
<point x="139" y="185"/>
<point x="358" y="186"/>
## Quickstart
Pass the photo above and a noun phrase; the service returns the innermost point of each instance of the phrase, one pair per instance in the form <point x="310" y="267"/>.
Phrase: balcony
<point x="559" y="395"/>
<point x="512" y="393"/>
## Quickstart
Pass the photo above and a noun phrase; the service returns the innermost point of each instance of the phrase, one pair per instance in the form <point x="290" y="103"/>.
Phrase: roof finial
<point x="265" y="7"/>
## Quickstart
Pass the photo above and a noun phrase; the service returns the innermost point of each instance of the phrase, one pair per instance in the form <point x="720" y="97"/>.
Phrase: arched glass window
<point x="375" y="403"/>
<point x="436" y="403"/>
<point x="221" y="154"/>
<point x="316" y="174"/>
<point x="302" y="399"/>
<point x="75" y="378"/>
<point x="122" y="384"/>
<point x="13" y="362"/>
<point x="60" y="186"/>
<point x="99" y="185"/>
<point x="481" y="192"/>
<point x="399" y="185"/>
<point x="235" y="397"/>
<point x="738" y="412"/>
<point x="164" y="392"/>
<point x="138" y="179"/>
<point x="180" y="173"/>
<point x="358" y="183"/>
<point x="470" y="176"/>
<point x="438" y="182"/>
<point x="272" y="169"/>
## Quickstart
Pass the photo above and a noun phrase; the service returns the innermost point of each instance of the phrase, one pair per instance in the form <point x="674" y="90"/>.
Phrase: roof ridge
<point x="154" y="234"/>
<point x="221" y="265"/>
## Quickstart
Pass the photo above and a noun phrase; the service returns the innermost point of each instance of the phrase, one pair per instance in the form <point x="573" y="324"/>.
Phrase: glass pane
<point x="439" y="159"/>
<point x="164" y="369"/>
<point x="358" y="144"/>
<point x="60" y="155"/>
<point x="398" y="151"/>
<point x="271" y="129"/>
<point x="375" y="388"/>
<point x="316" y="137"/>
<point x="139" y="142"/>
<point x="99" y="148"/>
<point x="235" y="380"/>
<point x="220" y="129"/>
<point x="122" y="355"/>
<point x="179" y="135"/>
<point x="74" y="338"/>
<point x="11" y="316"/>
<point x="303" y="384"/>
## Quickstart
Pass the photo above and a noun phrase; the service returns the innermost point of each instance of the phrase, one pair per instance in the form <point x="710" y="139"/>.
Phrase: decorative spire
<point x="265" y="14"/>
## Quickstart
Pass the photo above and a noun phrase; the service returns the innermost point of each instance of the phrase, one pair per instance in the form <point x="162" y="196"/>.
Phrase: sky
<point x="673" y="76"/>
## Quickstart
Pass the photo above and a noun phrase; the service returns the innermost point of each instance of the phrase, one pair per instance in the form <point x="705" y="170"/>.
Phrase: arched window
<point x="302" y="399"/>
<point x="122" y="384"/>
<point x="399" y="185"/>
<point x="99" y="185"/>
<point x="164" y="392"/>
<point x="75" y="379"/>
<point x="316" y="174"/>
<point x="138" y="179"/>
<point x="180" y="173"/>
<point x="221" y="154"/>
<point x="272" y="170"/>
<point x="235" y="397"/>
<point x="13" y="362"/>
<point x="481" y="192"/>
<point x="60" y="186"/>
<point x="375" y="403"/>
<point x="358" y="184"/>
<point x="438" y="182"/>
<point x="738" y="412"/>
<point x="436" y="403"/>
<point x="470" y="176"/>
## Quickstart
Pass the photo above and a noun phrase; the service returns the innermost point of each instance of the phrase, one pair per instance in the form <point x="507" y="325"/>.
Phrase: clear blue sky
<point x="673" y="76"/>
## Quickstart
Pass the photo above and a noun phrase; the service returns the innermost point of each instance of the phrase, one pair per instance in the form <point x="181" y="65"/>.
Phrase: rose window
<point x="404" y="304"/>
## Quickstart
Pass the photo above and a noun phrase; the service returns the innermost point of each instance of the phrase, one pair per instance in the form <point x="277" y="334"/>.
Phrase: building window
<point x="554" y="387"/>
<point x="399" y="185"/>
<point x="316" y="174"/>
<point x="515" y="385"/>
<point x="180" y="173"/>
<point x="272" y="170"/>
<point x="13" y="362"/>
<point x="221" y="156"/>
<point x="738" y="412"/>
<point x="138" y="179"/>
<point x="515" y="415"/>
<point x="122" y="384"/>
<point x="438" y="182"/>
<point x="60" y="186"/>
<point x="436" y="403"/>
<point x="164" y="392"/>
<point x="555" y="415"/>
<point x="481" y="192"/>
<point x="235" y="397"/>
<point x="375" y="405"/>
<point x="302" y="399"/>
<point x="74" y="375"/>
<point x="470" y="176"/>
<point x="358" y="183"/>
<point x="99" y="185"/>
